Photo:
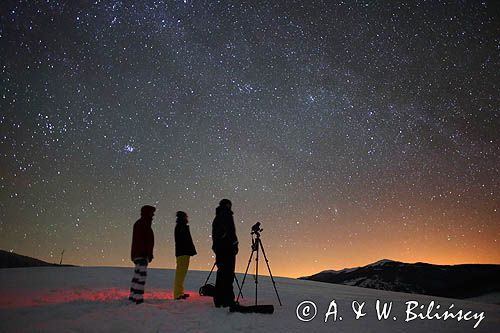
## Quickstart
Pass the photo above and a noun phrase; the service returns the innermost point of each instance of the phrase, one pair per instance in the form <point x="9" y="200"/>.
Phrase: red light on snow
<point x="53" y="297"/>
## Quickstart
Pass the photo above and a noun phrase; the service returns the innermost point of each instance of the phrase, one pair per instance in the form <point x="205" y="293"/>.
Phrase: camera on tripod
<point x="256" y="246"/>
<point x="256" y="229"/>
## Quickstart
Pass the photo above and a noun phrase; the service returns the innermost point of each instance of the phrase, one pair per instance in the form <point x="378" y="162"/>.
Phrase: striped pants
<point x="139" y="280"/>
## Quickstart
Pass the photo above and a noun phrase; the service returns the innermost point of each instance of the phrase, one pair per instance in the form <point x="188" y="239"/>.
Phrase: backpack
<point x="207" y="289"/>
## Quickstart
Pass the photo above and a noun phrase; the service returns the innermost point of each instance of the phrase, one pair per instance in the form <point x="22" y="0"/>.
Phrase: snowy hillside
<point x="90" y="299"/>
<point x="9" y="260"/>
<point x="453" y="281"/>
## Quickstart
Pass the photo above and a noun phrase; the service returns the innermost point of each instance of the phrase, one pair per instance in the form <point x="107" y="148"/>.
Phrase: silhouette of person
<point x="225" y="246"/>
<point x="143" y="241"/>
<point x="184" y="249"/>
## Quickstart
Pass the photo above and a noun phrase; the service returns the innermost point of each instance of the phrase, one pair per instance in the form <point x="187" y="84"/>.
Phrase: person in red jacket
<point x="143" y="241"/>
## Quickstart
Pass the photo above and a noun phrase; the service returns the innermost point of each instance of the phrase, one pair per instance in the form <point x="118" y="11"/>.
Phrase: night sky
<point x="354" y="131"/>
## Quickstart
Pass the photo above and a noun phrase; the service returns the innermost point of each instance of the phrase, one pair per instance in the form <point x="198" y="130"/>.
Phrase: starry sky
<point x="353" y="130"/>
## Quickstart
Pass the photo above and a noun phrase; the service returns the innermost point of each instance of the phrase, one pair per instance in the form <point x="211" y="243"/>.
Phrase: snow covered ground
<point x="94" y="299"/>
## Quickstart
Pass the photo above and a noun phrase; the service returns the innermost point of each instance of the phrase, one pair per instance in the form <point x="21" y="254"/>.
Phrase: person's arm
<point x="217" y="234"/>
<point x="134" y="244"/>
<point x="177" y="235"/>
<point x="152" y="245"/>
<point x="138" y="242"/>
<point x="189" y="241"/>
<point x="234" y="238"/>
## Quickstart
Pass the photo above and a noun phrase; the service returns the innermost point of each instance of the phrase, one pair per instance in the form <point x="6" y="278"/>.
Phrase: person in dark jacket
<point x="184" y="249"/>
<point x="225" y="246"/>
<point x="143" y="241"/>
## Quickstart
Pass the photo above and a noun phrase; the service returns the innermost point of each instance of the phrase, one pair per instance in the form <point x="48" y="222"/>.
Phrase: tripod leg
<point x="269" y="269"/>
<point x="238" y="284"/>
<point x="256" y="269"/>
<point x="208" y="278"/>
<point x="245" y="276"/>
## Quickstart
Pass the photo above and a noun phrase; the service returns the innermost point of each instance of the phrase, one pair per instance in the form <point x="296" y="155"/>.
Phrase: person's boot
<point x="230" y="304"/>
<point x="235" y="306"/>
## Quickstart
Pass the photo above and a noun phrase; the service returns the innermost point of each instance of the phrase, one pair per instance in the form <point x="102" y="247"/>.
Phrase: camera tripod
<point x="235" y="279"/>
<point x="256" y="245"/>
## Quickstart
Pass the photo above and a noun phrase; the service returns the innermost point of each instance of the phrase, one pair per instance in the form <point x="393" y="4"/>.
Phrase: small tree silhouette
<point x="62" y="254"/>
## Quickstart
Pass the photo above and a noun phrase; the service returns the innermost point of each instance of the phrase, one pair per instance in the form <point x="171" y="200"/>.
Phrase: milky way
<point x="354" y="131"/>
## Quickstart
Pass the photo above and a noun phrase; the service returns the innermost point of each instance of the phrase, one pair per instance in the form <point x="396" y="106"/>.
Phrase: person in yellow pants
<point x="184" y="249"/>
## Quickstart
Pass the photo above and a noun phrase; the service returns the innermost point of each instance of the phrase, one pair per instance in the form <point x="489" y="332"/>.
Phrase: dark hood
<point x="181" y="221"/>
<point x="223" y="211"/>
<point x="146" y="221"/>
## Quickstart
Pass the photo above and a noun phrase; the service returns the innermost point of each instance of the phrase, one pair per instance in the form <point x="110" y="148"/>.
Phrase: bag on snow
<point x="269" y="309"/>
<point x="207" y="290"/>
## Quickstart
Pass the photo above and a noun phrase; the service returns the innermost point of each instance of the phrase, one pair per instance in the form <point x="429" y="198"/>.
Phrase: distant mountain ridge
<point x="454" y="281"/>
<point x="12" y="260"/>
